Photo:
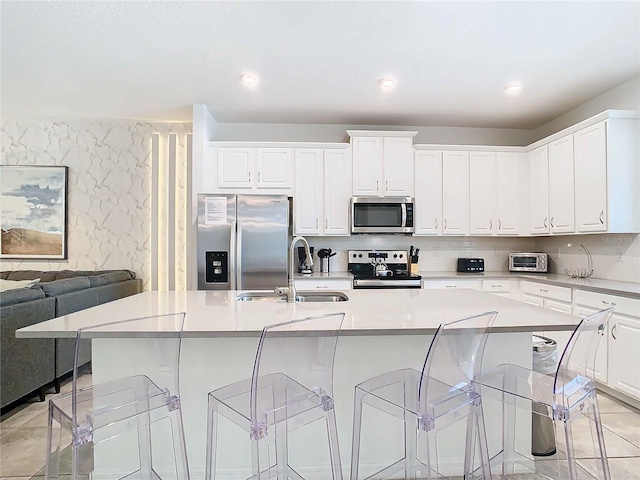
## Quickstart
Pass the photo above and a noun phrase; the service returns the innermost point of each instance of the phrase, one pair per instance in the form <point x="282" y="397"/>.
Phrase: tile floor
<point x="23" y="439"/>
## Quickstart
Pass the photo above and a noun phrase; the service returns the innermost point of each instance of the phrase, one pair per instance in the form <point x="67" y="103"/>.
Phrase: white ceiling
<point x="318" y="62"/>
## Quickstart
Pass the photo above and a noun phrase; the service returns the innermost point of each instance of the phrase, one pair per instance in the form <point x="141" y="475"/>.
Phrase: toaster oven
<point x="528" y="262"/>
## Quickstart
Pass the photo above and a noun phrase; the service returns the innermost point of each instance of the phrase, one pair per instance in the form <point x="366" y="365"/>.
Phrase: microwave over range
<point x="382" y="215"/>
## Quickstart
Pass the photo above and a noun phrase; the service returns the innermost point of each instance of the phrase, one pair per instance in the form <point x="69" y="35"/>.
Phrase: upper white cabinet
<point x="322" y="191"/>
<point x="455" y="193"/>
<point x="591" y="178"/>
<point x="254" y="168"/>
<point x="428" y="197"/>
<point x="539" y="190"/>
<point x="561" y="188"/>
<point x="382" y="163"/>
<point x="511" y="187"/>
<point x="482" y="193"/>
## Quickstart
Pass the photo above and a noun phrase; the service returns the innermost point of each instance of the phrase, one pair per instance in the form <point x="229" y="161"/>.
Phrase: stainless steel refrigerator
<point x="242" y="241"/>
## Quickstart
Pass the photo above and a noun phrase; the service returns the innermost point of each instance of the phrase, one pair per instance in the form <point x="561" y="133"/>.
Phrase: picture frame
<point x="33" y="212"/>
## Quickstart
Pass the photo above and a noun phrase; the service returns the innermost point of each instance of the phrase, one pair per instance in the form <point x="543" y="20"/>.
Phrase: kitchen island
<point x="383" y="330"/>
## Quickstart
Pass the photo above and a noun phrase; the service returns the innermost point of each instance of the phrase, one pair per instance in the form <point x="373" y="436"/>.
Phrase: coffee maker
<point x="302" y="256"/>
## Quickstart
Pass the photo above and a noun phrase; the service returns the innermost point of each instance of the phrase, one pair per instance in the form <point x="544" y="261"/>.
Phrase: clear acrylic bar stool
<point x="431" y="400"/>
<point x="291" y="387"/>
<point x="567" y="397"/>
<point x="128" y="427"/>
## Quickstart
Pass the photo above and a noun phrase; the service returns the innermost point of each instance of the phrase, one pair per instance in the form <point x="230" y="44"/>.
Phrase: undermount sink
<point x="301" y="297"/>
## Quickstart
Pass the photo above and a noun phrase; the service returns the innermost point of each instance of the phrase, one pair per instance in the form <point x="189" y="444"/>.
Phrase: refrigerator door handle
<point x="238" y="256"/>
<point x="233" y="249"/>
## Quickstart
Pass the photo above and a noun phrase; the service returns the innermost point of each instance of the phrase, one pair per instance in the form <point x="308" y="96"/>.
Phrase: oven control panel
<point x="377" y="256"/>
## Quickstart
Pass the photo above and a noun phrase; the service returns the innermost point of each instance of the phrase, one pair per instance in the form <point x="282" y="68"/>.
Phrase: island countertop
<point x="367" y="312"/>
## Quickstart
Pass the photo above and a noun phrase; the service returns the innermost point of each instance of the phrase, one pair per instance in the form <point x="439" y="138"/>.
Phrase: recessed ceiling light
<point x="513" y="88"/>
<point x="387" y="82"/>
<point x="249" y="79"/>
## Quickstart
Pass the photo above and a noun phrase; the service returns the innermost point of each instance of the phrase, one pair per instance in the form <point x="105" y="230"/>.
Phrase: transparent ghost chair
<point x="567" y="398"/>
<point x="125" y="427"/>
<point x="431" y="401"/>
<point x="291" y="387"/>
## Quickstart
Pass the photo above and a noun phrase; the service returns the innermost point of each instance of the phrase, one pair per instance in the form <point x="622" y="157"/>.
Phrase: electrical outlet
<point x="619" y="256"/>
<point x="496" y="253"/>
<point x="436" y="251"/>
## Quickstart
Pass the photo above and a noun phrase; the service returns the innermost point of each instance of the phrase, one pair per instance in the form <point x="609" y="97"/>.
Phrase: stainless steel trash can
<point x="545" y="361"/>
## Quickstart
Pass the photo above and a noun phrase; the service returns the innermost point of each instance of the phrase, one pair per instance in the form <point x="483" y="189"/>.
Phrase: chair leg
<point x="571" y="460"/>
<point x="482" y="442"/>
<point x="470" y="443"/>
<point x="281" y="450"/>
<point x="334" y="450"/>
<point x="601" y="451"/>
<point x="255" y="459"/>
<point x="508" y="428"/>
<point x="357" y="431"/>
<point x="52" y="466"/>
<point x="179" y="445"/>
<point x="411" y="465"/>
<point x="212" y="441"/>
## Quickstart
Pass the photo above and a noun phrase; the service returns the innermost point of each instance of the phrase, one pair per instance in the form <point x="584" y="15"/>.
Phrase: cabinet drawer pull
<point x="249" y="175"/>
<point x="543" y="290"/>
<point x="386" y="184"/>
<point x="258" y="177"/>
<point x="490" y="224"/>
<point x="602" y="217"/>
<point x="436" y="223"/>
<point x="445" y="223"/>
<point x="450" y="286"/>
<point x="316" y="223"/>
<point x="499" y="224"/>
<point x="613" y="332"/>
<point x="608" y="303"/>
<point x="496" y="286"/>
<point x="551" y="222"/>
<point x="545" y="222"/>
<point x="377" y="186"/>
<point x="322" y="286"/>
<point x="326" y="223"/>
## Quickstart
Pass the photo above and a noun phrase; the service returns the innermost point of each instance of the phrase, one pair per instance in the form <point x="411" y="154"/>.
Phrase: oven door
<point x="381" y="215"/>
<point x="524" y="263"/>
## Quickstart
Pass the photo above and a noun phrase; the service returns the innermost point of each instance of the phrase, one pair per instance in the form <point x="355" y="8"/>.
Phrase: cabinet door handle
<point x="608" y="303"/>
<point x="543" y="290"/>
<point x="613" y="331"/>
<point x="436" y="223"/>
<point x="490" y="224"/>
<point x="326" y="223"/>
<point x="377" y="186"/>
<point x="386" y="185"/>
<point x="499" y="224"/>
<point x="445" y="223"/>
<point x="551" y="222"/>
<point x="249" y="175"/>
<point x="602" y="217"/>
<point x="316" y="223"/>
<point x="545" y="222"/>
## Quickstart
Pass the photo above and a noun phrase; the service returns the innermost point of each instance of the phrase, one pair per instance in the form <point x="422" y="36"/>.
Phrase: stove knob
<point x="354" y="255"/>
<point x="360" y="255"/>
<point x="395" y="255"/>
<point x="401" y="255"/>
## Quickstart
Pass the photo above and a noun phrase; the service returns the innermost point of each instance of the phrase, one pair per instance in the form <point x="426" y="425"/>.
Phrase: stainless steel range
<point x="381" y="269"/>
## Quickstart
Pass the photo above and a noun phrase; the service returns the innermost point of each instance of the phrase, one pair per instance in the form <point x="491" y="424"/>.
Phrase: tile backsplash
<point x="436" y="253"/>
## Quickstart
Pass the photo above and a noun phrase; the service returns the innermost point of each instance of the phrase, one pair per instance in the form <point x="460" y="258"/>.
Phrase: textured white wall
<point x="109" y="192"/>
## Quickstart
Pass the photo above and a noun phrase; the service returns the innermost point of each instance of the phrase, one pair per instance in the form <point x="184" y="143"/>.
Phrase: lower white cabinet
<point x="622" y="342"/>
<point x="554" y="298"/>
<point x="305" y="284"/>
<point x="501" y="288"/>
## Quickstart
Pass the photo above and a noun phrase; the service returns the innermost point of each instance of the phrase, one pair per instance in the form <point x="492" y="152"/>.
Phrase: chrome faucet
<point x="290" y="290"/>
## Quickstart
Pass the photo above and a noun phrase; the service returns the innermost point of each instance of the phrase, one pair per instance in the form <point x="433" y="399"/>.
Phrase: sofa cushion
<point x="31" y="274"/>
<point x="12" y="297"/>
<point x="6" y="285"/>
<point x="107" y="278"/>
<point x="66" y="285"/>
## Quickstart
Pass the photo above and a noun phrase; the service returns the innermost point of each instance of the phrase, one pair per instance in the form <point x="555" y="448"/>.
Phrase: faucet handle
<point x="282" y="291"/>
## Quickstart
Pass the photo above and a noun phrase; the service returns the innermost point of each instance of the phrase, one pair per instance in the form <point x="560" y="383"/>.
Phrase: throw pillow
<point x="16" y="284"/>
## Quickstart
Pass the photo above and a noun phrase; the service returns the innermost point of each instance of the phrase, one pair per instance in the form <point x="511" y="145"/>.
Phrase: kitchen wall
<point x="623" y="97"/>
<point x="109" y="187"/>
<point x="615" y="256"/>
<point x="437" y="254"/>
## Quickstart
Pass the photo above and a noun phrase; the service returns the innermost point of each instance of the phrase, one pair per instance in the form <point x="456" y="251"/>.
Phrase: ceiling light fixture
<point x="513" y="88"/>
<point x="249" y="79"/>
<point x="387" y="82"/>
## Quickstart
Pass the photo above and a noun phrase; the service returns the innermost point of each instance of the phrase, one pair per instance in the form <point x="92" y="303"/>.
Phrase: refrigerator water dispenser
<point x="217" y="267"/>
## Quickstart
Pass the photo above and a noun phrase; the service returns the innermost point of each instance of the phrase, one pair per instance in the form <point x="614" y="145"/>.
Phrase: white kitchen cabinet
<point x="482" y="193"/>
<point x="619" y="349"/>
<point x="382" y="163"/>
<point x="601" y="365"/>
<point x="551" y="297"/>
<point x="509" y="192"/>
<point x="501" y="288"/>
<point x="247" y="168"/>
<point x="561" y="186"/>
<point x="332" y="284"/>
<point x="455" y="193"/>
<point x="449" y="284"/>
<point x="322" y="192"/>
<point x="591" y="178"/>
<point x="539" y="190"/>
<point x="428" y="196"/>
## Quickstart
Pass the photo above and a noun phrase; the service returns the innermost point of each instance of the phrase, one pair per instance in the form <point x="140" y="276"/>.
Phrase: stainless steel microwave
<point x="528" y="262"/>
<point x="382" y="215"/>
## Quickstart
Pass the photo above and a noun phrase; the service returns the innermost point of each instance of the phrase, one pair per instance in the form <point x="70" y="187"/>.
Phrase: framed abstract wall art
<point x="33" y="212"/>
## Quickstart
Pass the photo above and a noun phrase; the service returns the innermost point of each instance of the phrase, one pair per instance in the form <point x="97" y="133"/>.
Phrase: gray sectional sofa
<point x="27" y="365"/>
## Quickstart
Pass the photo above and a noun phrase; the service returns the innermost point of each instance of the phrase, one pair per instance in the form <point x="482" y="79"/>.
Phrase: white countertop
<point x="612" y="287"/>
<point x="368" y="312"/>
